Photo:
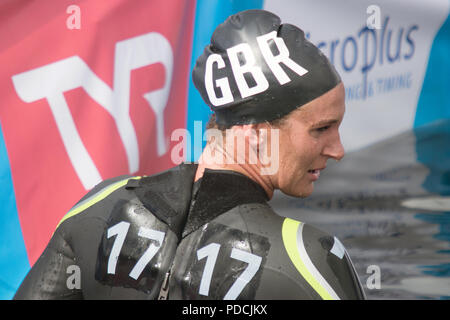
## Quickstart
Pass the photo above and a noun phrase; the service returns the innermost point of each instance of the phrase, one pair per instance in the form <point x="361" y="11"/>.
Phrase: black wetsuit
<point x="165" y="236"/>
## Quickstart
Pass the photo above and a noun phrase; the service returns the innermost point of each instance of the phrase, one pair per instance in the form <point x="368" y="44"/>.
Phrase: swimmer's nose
<point x="334" y="149"/>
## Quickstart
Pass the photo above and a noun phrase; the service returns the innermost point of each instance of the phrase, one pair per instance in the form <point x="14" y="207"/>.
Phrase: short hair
<point x="212" y="124"/>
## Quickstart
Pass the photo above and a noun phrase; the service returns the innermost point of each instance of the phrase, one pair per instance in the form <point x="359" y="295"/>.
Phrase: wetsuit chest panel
<point x="136" y="249"/>
<point x="218" y="262"/>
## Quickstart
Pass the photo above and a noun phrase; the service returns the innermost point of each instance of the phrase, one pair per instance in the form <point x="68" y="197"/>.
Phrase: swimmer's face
<point x="308" y="138"/>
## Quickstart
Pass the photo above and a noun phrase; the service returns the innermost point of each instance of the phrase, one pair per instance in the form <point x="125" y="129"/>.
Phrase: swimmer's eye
<point x="322" y="129"/>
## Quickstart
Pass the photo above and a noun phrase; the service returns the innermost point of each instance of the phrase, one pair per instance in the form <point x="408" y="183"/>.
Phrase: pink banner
<point x="90" y="91"/>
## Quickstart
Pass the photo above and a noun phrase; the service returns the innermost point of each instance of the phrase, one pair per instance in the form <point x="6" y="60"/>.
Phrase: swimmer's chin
<point x="300" y="193"/>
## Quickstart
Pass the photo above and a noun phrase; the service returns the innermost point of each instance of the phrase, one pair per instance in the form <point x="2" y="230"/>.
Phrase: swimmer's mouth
<point x="315" y="173"/>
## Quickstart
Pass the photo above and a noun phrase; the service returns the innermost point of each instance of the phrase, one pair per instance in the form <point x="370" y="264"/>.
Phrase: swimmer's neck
<point x="252" y="171"/>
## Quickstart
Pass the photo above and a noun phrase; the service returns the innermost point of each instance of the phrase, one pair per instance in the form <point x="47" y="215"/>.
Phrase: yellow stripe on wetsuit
<point x="292" y="232"/>
<point x="99" y="196"/>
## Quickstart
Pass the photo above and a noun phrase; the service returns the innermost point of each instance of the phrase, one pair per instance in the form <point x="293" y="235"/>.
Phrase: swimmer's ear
<point x="263" y="133"/>
<point x="213" y="136"/>
<point x="251" y="133"/>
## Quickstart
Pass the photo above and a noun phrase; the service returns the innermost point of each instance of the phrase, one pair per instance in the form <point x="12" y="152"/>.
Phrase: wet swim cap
<point x="257" y="69"/>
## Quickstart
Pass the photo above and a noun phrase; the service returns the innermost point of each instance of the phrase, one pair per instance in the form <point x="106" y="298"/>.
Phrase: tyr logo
<point x="52" y="80"/>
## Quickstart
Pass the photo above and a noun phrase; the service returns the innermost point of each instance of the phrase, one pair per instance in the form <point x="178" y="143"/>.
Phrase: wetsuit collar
<point x="184" y="206"/>
<point x="219" y="191"/>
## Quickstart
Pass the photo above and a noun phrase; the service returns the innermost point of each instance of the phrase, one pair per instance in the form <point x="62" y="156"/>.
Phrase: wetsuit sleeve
<point x="50" y="276"/>
<point x="322" y="261"/>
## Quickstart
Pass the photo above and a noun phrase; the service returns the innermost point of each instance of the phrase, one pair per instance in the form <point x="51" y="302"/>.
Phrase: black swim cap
<point x="257" y="69"/>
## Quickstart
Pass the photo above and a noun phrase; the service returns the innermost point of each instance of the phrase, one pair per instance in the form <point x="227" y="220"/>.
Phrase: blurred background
<point x="95" y="89"/>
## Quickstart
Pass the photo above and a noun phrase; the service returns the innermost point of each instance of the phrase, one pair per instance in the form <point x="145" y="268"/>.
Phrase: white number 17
<point x="210" y="252"/>
<point x="120" y="230"/>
